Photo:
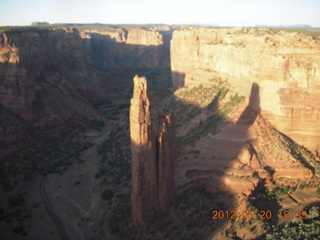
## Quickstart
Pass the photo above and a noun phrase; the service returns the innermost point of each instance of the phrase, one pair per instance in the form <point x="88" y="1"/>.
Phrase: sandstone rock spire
<point x="152" y="158"/>
<point x="166" y="150"/>
<point x="144" y="197"/>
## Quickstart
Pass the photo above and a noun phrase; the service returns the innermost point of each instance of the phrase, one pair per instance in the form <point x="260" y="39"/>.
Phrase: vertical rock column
<point x="144" y="194"/>
<point x="166" y="150"/>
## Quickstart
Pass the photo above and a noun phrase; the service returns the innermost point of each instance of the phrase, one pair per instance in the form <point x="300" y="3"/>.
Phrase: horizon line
<point x="303" y="26"/>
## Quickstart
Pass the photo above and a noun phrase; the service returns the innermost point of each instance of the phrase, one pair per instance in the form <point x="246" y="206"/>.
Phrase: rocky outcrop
<point x="43" y="74"/>
<point x="126" y="48"/>
<point x="46" y="75"/>
<point x="166" y="155"/>
<point x="285" y="65"/>
<point x="13" y="130"/>
<point x="152" y="160"/>
<point x="15" y="89"/>
<point x="45" y="85"/>
<point x="144" y="196"/>
<point x="257" y="54"/>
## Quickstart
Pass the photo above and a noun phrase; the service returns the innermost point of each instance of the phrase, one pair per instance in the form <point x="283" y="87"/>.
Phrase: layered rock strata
<point x="165" y="155"/>
<point x="129" y="48"/>
<point x="285" y="65"/>
<point x="44" y="84"/>
<point x="152" y="158"/>
<point x="43" y="74"/>
<point x="144" y="197"/>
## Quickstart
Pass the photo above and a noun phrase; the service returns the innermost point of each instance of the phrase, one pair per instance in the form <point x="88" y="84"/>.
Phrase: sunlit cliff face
<point x="285" y="65"/>
<point x="132" y="36"/>
<point x="8" y="53"/>
<point x="153" y="158"/>
<point x="139" y="114"/>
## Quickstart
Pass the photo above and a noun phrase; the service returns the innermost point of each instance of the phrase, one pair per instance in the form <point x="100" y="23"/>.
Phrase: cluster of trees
<point x="63" y="155"/>
<point x="16" y="199"/>
<point x="300" y="228"/>
<point x="280" y="190"/>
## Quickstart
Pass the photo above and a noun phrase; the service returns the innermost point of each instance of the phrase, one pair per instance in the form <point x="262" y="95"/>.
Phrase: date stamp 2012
<point x="247" y="214"/>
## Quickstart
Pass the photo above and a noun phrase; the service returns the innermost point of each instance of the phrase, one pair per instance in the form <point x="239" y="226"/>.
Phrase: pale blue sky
<point x="221" y="12"/>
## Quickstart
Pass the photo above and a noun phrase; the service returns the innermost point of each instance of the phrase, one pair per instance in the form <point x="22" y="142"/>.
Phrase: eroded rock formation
<point x="152" y="158"/>
<point x="23" y="61"/>
<point x="44" y="83"/>
<point x="166" y="155"/>
<point x="285" y="65"/>
<point x="144" y="197"/>
<point x="46" y="75"/>
<point x="43" y="75"/>
<point x="130" y="48"/>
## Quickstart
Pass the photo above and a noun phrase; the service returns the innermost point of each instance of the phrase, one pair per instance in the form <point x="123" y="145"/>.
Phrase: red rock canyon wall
<point x="285" y="65"/>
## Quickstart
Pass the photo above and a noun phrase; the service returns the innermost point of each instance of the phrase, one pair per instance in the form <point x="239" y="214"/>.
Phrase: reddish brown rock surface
<point x="166" y="150"/>
<point x="130" y="48"/>
<point x="44" y="83"/>
<point x="43" y="74"/>
<point x="49" y="76"/>
<point x="144" y="196"/>
<point x="152" y="158"/>
<point x="285" y="65"/>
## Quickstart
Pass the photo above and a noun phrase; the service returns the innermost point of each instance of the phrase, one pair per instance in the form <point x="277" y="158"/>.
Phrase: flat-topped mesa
<point x="144" y="197"/>
<point x="152" y="158"/>
<point x="166" y="154"/>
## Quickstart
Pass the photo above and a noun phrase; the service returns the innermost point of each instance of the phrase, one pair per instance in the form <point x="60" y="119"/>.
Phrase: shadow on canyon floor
<point x="120" y="62"/>
<point x="203" y="154"/>
<point x="192" y="214"/>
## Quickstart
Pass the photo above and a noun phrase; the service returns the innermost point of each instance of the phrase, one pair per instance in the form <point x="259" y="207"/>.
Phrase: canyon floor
<point x="216" y="170"/>
<point x="237" y="176"/>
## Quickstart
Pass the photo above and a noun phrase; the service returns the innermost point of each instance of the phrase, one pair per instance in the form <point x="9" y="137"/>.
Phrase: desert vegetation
<point x="300" y="228"/>
<point x="62" y="155"/>
<point x="87" y="160"/>
<point x="188" y="103"/>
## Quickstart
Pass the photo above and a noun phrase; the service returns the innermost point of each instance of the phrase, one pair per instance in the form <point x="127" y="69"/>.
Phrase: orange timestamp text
<point x="247" y="214"/>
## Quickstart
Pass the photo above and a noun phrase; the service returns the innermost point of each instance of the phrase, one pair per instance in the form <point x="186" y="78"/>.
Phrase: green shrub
<point x="102" y="170"/>
<point x="76" y="183"/>
<point x="116" y="229"/>
<point x="123" y="105"/>
<point x="16" y="199"/>
<point x="63" y="154"/>
<point x="18" y="229"/>
<point x="107" y="194"/>
<point x="97" y="124"/>
<point x="104" y="158"/>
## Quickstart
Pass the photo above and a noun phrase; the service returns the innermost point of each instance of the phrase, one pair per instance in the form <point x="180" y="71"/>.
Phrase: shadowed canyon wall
<point x="42" y="68"/>
<point x="44" y="82"/>
<point x="285" y="65"/>
<point x="43" y="73"/>
<point x="48" y="76"/>
<point x="130" y="48"/>
<point x="35" y="63"/>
